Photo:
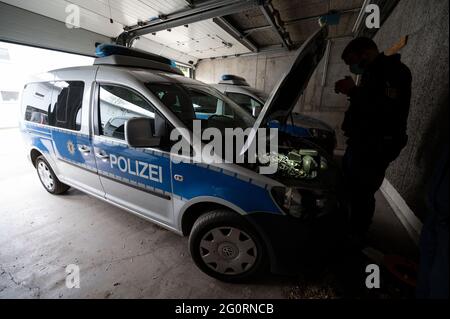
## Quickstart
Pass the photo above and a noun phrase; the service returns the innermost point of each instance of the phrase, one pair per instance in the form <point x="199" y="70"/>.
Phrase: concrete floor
<point x="119" y="254"/>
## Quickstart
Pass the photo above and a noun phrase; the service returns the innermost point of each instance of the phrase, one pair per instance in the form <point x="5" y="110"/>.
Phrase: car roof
<point x="141" y="74"/>
<point x="258" y="94"/>
<point x="119" y="118"/>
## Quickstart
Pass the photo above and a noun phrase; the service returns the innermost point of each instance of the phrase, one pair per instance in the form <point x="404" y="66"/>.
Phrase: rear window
<point x="190" y="102"/>
<point x="57" y="104"/>
<point x="67" y="100"/>
<point x="247" y="102"/>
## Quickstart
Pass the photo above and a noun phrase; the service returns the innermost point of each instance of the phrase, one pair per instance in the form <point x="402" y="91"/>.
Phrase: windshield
<point x="263" y="96"/>
<point x="199" y="102"/>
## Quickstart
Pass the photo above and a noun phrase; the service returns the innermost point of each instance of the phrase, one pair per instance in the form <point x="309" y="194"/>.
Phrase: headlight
<point x="300" y="203"/>
<point x="293" y="202"/>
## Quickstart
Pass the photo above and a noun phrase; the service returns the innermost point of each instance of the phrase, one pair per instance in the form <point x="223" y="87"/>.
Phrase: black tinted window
<point x="175" y="98"/>
<point x="203" y="103"/>
<point x="54" y="103"/>
<point x="67" y="104"/>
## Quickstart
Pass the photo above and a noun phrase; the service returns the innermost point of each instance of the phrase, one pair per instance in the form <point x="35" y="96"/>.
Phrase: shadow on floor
<point x="340" y="277"/>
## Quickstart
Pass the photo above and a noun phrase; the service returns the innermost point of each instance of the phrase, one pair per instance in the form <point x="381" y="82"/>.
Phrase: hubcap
<point x="228" y="250"/>
<point x="45" y="176"/>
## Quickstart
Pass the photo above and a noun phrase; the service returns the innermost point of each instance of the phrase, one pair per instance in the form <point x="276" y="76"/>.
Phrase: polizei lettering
<point x="136" y="168"/>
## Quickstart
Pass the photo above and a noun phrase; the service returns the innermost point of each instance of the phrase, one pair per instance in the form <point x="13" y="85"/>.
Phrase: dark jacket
<point x="438" y="192"/>
<point x="379" y="105"/>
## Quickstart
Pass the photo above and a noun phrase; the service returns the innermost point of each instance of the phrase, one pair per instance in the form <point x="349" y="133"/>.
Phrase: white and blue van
<point x="103" y="129"/>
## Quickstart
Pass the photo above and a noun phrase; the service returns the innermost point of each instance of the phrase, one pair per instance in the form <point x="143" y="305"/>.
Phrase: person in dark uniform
<point x="433" y="271"/>
<point x="374" y="124"/>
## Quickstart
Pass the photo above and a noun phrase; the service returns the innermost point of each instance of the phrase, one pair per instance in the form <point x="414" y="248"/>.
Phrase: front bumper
<point x="294" y="243"/>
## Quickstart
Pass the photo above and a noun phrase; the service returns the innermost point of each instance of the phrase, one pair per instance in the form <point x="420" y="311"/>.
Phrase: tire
<point x="224" y="246"/>
<point x="48" y="178"/>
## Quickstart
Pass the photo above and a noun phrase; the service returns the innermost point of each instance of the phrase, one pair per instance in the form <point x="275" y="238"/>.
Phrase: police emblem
<point x="71" y="147"/>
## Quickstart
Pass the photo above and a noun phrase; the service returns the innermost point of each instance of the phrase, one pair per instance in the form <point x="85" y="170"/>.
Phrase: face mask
<point x="356" y="69"/>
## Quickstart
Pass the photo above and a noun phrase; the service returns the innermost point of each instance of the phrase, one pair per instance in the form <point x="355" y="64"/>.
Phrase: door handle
<point x="102" y="155"/>
<point x="84" y="149"/>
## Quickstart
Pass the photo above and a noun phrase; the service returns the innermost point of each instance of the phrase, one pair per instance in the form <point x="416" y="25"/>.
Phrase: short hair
<point x="358" y="45"/>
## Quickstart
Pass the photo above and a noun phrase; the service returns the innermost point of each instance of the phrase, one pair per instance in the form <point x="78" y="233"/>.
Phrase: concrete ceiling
<point x="206" y="38"/>
<point x="299" y="19"/>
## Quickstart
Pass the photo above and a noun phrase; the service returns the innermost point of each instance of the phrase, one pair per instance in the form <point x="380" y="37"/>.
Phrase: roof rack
<point x="233" y="80"/>
<point x="109" y="54"/>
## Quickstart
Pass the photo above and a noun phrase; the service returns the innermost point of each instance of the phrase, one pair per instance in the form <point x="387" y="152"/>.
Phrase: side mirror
<point x="139" y="133"/>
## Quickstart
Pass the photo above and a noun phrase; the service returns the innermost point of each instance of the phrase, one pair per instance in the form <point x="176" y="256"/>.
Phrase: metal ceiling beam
<point x="256" y="29"/>
<point x="360" y="17"/>
<point x="295" y="21"/>
<point x="262" y="50"/>
<point x="190" y="3"/>
<point x="268" y="11"/>
<point x="202" y="11"/>
<point x="231" y="30"/>
<point x="298" y="20"/>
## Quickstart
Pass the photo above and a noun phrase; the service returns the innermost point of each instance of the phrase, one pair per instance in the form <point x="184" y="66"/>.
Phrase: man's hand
<point x="344" y="86"/>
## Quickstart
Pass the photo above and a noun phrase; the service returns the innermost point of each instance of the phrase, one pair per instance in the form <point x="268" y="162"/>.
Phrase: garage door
<point x="24" y="27"/>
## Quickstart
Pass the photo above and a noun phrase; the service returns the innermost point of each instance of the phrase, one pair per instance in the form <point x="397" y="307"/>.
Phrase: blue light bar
<point x="230" y="77"/>
<point x="105" y="50"/>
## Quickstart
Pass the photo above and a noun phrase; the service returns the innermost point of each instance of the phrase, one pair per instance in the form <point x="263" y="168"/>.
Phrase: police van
<point x="104" y="129"/>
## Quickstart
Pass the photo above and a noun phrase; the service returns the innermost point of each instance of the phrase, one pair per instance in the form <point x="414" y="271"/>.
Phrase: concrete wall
<point x="320" y="100"/>
<point x="426" y="23"/>
<point x="261" y="71"/>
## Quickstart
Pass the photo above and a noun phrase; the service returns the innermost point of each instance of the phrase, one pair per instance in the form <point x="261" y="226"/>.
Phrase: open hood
<point x="292" y="85"/>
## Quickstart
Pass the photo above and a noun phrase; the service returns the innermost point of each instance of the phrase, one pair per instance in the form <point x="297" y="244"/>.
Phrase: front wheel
<point x="224" y="246"/>
<point x="48" y="178"/>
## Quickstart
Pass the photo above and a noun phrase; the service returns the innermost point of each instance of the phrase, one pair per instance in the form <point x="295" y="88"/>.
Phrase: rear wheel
<point x="224" y="246"/>
<point x="48" y="178"/>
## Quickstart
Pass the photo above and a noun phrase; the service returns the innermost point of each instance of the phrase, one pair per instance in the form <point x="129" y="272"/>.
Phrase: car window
<point x="175" y="98"/>
<point x="203" y="103"/>
<point x="116" y="106"/>
<point x="117" y="122"/>
<point x="67" y="102"/>
<point x="57" y="104"/>
<point x="190" y="102"/>
<point x="246" y="101"/>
